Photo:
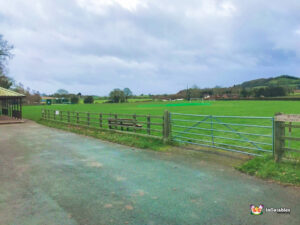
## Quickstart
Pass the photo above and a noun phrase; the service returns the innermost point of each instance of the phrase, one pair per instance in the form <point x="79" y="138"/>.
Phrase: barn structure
<point x="10" y="106"/>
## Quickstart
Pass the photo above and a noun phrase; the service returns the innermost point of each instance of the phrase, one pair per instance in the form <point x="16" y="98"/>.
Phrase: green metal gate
<point x="247" y="135"/>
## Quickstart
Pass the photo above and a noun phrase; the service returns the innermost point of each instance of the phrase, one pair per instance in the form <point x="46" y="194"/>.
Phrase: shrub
<point x="74" y="99"/>
<point x="88" y="100"/>
<point x="117" y="96"/>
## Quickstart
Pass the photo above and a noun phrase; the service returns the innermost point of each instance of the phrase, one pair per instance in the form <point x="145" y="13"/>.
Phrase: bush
<point x="74" y="99"/>
<point x="117" y="96"/>
<point x="88" y="100"/>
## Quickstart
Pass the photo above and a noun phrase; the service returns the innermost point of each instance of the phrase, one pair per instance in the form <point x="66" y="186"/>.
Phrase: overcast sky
<point x="150" y="46"/>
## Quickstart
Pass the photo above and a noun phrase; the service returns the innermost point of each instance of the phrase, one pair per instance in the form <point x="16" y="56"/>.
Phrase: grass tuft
<point x="266" y="168"/>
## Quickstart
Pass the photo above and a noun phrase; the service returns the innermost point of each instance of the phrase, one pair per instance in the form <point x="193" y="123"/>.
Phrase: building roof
<point x="9" y="93"/>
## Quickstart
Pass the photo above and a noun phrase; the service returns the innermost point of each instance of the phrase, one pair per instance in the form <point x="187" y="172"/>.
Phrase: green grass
<point x="233" y="108"/>
<point x="131" y="100"/>
<point x="296" y="94"/>
<point x="266" y="168"/>
<point x="96" y="101"/>
<point x="175" y="104"/>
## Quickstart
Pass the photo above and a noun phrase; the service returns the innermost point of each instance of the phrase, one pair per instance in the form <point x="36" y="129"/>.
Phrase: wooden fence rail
<point x="149" y="125"/>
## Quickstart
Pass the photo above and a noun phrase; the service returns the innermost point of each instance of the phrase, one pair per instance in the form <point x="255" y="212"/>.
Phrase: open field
<point x="139" y="100"/>
<point x="227" y="108"/>
<point x="96" y="101"/>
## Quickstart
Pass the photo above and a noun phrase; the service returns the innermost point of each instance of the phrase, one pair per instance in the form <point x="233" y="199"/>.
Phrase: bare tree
<point x="5" y="53"/>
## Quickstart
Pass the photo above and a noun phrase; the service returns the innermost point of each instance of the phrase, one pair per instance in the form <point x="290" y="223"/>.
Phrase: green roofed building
<point x="10" y="104"/>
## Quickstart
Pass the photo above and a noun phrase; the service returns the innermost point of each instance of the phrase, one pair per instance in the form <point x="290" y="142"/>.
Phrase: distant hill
<point x="283" y="80"/>
<point x="284" y="85"/>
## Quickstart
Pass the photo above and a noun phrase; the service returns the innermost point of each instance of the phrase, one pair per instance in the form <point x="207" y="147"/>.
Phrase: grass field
<point x="227" y="108"/>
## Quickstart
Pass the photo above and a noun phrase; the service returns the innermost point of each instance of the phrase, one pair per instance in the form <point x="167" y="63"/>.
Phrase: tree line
<point x="234" y="92"/>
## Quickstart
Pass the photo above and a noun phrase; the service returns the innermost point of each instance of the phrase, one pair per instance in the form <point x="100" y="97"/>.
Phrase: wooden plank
<point x="291" y="138"/>
<point x="292" y="126"/>
<point x="124" y="122"/>
<point x="291" y="150"/>
<point x="288" y="117"/>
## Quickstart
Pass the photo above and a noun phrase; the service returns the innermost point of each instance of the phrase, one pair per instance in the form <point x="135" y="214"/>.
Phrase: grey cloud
<point x="157" y="48"/>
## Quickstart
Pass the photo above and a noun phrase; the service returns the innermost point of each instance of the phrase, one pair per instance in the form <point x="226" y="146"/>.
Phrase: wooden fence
<point x="284" y="141"/>
<point x="160" y="126"/>
<point x="144" y="125"/>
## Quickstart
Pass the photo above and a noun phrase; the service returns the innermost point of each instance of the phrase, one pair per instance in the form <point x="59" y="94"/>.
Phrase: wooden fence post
<point x="167" y="127"/>
<point x="100" y="119"/>
<point x="134" y="122"/>
<point x="88" y="119"/>
<point x="109" y="121"/>
<point x="279" y="141"/>
<point x="116" y="121"/>
<point x="54" y="117"/>
<point x="68" y="116"/>
<point x="148" y="124"/>
<point x="77" y="117"/>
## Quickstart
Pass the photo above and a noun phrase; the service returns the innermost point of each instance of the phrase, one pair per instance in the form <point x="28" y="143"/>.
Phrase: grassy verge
<point x="285" y="172"/>
<point x="125" y="139"/>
